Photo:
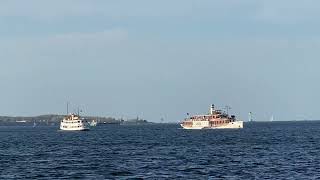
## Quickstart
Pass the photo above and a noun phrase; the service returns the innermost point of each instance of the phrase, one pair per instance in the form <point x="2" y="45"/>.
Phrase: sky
<point x="160" y="59"/>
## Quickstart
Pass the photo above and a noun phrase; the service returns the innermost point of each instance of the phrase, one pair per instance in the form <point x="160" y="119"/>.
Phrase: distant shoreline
<point x="52" y="118"/>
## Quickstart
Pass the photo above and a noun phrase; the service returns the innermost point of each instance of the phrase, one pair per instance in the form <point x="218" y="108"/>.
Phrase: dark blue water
<point x="277" y="150"/>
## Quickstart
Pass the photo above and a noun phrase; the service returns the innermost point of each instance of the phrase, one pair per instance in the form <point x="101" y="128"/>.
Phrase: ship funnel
<point x="212" y="109"/>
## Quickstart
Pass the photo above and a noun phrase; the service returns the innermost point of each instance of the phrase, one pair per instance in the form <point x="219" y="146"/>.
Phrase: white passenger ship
<point x="216" y="119"/>
<point x="73" y="122"/>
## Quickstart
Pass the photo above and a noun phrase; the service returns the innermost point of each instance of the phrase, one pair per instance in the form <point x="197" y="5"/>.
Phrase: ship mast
<point x="79" y="111"/>
<point x="227" y="109"/>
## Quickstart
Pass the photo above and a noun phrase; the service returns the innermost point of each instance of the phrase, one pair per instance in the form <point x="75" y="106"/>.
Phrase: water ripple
<point x="278" y="150"/>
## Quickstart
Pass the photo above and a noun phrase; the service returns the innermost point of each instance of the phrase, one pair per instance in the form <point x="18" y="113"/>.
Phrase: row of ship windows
<point x="72" y="126"/>
<point x="72" y="122"/>
<point x="219" y="122"/>
<point x="213" y="122"/>
<point x="200" y="118"/>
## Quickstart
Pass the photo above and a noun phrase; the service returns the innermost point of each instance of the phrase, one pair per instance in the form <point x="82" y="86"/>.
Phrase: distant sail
<point x="272" y="118"/>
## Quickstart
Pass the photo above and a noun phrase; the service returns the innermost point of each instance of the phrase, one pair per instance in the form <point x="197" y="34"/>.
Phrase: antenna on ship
<point x="227" y="109"/>
<point x="79" y="111"/>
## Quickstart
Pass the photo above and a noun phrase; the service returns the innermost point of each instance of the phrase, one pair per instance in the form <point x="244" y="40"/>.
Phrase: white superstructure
<point x="216" y="119"/>
<point x="73" y="122"/>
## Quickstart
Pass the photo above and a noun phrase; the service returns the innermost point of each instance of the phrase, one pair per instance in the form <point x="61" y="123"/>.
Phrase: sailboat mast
<point x="250" y="116"/>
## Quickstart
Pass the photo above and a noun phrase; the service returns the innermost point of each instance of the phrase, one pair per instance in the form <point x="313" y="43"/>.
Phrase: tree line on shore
<point x="52" y="118"/>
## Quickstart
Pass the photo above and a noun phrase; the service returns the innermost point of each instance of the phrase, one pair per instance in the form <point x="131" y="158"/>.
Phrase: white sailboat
<point x="272" y="118"/>
<point x="34" y="124"/>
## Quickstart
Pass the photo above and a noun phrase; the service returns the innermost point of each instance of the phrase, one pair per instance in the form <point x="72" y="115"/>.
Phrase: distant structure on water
<point x="136" y="121"/>
<point x="250" y="117"/>
<point x="93" y="123"/>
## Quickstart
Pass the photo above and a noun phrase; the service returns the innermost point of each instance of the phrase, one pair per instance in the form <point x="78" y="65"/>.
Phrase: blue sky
<point x="160" y="59"/>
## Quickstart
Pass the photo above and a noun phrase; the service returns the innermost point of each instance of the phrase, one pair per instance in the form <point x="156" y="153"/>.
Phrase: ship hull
<point x="231" y="125"/>
<point x="68" y="127"/>
<point x="74" y="129"/>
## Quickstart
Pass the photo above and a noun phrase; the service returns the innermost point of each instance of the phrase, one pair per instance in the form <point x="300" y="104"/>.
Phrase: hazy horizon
<point x="160" y="59"/>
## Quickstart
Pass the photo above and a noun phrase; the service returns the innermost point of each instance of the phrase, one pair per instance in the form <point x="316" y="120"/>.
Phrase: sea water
<point x="270" y="150"/>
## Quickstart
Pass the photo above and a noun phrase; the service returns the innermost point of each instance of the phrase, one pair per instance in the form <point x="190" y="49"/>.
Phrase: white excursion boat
<point x="216" y="119"/>
<point x="73" y="122"/>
